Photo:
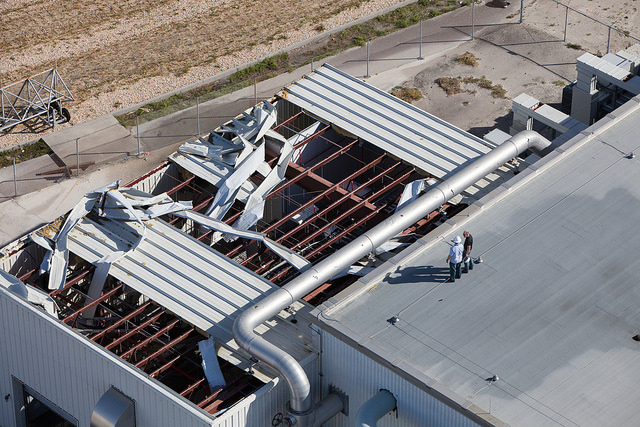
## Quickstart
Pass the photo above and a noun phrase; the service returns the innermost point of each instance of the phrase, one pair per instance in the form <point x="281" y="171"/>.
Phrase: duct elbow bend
<point x="243" y="331"/>
<point x="532" y="140"/>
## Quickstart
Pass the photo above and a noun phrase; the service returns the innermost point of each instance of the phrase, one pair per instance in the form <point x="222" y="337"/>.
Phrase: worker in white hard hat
<point x="455" y="259"/>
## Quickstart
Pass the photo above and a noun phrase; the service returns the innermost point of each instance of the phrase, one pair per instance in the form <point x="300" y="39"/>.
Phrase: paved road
<point x="44" y="196"/>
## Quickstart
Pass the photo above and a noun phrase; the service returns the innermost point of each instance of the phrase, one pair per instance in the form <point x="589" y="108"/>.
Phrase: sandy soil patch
<point x="536" y="66"/>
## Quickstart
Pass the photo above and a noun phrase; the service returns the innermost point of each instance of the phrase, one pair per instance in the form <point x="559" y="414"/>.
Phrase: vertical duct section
<point x="114" y="409"/>
<point x="375" y="408"/>
<point x="301" y="405"/>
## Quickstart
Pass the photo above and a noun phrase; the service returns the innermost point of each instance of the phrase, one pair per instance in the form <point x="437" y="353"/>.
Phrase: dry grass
<point x="408" y="94"/>
<point x="468" y="58"/>
<point x="453" y="85"/>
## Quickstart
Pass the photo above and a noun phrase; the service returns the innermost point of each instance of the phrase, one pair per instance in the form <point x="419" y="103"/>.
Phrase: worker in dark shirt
<point x="466" y="254"/>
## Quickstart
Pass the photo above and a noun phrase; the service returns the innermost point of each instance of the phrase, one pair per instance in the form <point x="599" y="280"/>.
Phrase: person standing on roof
<point x="455" y="259"/>
<point x="466" y="256"/>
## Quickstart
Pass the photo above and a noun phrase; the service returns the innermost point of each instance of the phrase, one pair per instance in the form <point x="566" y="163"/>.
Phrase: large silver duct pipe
<point x="375" y="408"/>
<point x="243" y="329"/>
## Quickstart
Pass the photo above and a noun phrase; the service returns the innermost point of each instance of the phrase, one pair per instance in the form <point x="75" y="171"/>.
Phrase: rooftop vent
<point x="114" y="409"/>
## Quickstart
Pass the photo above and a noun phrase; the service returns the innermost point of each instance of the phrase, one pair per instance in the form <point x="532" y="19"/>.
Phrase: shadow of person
<point x="418" y="274"/>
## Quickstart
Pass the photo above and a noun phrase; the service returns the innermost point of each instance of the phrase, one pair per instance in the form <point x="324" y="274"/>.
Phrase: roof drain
<point x="301" y="406"/>
<point x="375" y="408"/>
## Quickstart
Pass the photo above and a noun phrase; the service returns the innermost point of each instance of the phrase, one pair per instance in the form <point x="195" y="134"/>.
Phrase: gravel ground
<point x="107" y="34"/>
<point x="99" y="31"/>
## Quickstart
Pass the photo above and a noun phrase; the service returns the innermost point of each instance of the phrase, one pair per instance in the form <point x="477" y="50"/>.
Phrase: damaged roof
<point x="407" y="132"/>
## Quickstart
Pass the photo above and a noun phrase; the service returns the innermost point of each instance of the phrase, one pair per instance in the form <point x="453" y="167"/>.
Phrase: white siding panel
<point x="258" y="410"/>
<point x="73" y="373"/>
<point x="360" y="377"/>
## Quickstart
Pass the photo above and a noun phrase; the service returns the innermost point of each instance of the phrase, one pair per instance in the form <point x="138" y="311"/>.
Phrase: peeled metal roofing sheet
<point x="379" y="118"/>
<point x="213" y="172"/>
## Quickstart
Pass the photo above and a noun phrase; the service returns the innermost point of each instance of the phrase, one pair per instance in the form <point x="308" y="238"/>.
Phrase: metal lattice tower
<point x="38" y="97"/>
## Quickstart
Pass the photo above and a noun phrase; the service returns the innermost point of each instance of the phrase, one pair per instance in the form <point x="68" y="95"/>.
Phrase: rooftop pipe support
<point x="375" y="408"/>
<point x="243" y="328"/>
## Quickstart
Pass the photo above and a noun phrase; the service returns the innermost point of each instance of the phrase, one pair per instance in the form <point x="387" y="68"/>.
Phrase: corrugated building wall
<point x="360" y="377"/>
<point x="73" y="373"/>
<point x="259" y="409"/>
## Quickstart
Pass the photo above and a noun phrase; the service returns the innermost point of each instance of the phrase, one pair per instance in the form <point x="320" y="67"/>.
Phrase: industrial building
<point x="289" y="268"/>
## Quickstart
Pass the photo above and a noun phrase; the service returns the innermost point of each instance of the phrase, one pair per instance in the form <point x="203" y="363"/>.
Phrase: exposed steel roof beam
<point x="73" y="281"/>
<point x="339" y="202"/>
<point x="164" y="367"/>
<point x="291" y="214"/>
<point x="187" y="391"/>
<point x="292" y="180"/>
<point x="235" y="385"/>
<point x="347" y="213"/>
<point x="28" y="274"/>
<point x="335" y="238"/>
<point x="147" y="340"/>
<point x="316" y="183"/>
<point x="353" y="226"/>
<point x="332" y="188"/>
<point x="73" y="316"/>
<point x="288" y="120"/>
<point x="121" y="321"/>
<point x="181" y="185"/>
<point x="162" y="349"/>
<point x="134" y="330"/>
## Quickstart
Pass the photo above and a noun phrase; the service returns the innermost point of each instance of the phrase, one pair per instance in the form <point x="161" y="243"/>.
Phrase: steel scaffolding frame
<point x="38" y="97"/>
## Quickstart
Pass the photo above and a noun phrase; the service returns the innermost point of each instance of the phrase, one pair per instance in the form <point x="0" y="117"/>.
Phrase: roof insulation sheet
<point x="397" y="127"/>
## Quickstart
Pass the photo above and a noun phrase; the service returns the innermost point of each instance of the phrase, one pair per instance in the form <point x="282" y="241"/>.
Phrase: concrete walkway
<point x="109" y="151"/>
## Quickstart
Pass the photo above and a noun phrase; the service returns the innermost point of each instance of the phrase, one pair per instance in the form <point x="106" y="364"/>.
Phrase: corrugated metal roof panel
<point x="183" y="275"/>
<point x="175" y="270"/>
<point x="395" y="126"/>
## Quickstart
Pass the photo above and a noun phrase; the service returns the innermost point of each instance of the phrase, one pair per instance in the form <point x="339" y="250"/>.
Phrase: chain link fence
<point x="584" y="29"/>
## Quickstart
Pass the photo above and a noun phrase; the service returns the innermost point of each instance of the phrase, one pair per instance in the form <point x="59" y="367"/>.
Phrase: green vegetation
<point x="574" y="46"/>
<point x="408" y="94"/>
<point x="357" y="35"/>
<point x="154" y="110"/>
<point x="24" y="153"/>
<point x="259" y="69"/>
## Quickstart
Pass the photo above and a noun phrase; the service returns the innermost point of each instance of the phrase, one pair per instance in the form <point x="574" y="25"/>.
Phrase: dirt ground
<point x="117" y="53"/>
<point x="539" y="63"/>
<point x="523" y="68"/>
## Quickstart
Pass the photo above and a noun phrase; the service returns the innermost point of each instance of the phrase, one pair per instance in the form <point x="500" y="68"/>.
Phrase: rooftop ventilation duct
<point x="375" y="408"/>
<point x="301" y="405"/>
<point x="114" y="409"/>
